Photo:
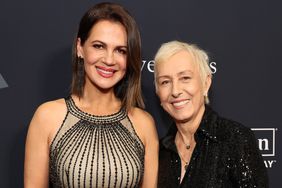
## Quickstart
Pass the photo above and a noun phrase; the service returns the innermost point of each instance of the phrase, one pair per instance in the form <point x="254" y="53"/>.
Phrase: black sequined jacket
<point x="226" y="155"/>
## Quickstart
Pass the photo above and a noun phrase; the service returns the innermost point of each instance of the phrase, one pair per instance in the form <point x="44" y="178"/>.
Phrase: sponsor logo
<point x="266" y="141"/>
<point x="3" y="83"/>
<point x="150" y="64"/>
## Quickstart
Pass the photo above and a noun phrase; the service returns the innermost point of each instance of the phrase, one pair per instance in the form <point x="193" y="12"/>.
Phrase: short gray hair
<point x="201" y="58"/>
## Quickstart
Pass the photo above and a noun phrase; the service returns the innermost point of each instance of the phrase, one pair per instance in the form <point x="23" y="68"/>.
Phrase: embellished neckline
<point x="97" y="119"/>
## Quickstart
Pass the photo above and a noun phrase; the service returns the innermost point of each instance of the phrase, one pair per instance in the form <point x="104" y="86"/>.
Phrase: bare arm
<point x="151" y="158"/>
<point x="36" y="165"/>
<point x="145" y="128"/>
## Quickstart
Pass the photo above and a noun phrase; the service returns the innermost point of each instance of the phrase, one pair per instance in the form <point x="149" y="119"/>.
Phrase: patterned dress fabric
<point x="96" y="151"/>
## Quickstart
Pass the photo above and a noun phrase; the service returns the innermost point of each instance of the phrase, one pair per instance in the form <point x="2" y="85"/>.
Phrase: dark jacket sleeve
<point x="248" y="167"/>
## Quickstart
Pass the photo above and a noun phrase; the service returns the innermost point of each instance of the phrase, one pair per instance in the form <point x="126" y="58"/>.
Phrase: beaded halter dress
<point x="96" y="151"/>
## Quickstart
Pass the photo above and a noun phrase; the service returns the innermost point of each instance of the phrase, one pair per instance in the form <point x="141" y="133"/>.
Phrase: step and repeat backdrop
<point x="243" y="39"/>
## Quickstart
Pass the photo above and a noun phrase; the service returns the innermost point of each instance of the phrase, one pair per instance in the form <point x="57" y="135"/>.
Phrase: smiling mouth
<point x="104" y="72"/>
<point x="180" y="103"/>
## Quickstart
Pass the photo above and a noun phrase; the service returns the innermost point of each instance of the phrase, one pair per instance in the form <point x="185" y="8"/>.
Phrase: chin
<point x="181" y="117"/>
<point x="106" y="85"/>
<point x="182" y="120"/>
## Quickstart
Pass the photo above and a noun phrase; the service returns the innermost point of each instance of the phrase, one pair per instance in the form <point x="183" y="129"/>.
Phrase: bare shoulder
<point x="48" y="117"/>
<point x="140" y="116"/>
<point x="143" y="123"/>
<point x="50" y="111"/>
<point x="51" y="107"/>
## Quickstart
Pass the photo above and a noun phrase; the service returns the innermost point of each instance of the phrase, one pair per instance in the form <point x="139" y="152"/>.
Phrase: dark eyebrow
<point x="94" y="41"/>
<point x="122" y="47"/>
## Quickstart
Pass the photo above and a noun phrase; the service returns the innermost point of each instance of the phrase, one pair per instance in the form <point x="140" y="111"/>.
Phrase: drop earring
<point x="80" y="73"/>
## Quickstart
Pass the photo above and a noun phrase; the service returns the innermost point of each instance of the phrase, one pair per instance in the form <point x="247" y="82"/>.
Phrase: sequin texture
<point x="226" y="155"/>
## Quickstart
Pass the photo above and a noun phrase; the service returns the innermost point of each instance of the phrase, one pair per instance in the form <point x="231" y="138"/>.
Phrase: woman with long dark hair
<point x="98" y="136"/>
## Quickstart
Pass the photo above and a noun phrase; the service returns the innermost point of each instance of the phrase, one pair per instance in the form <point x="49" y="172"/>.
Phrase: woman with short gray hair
<point x="201" y="148"/>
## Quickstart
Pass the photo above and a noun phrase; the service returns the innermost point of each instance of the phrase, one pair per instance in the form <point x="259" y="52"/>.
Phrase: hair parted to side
<point x="128" y="90"/>
<point x="201" y="58"/>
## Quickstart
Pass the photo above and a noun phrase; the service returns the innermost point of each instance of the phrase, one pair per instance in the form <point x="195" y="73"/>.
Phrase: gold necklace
<point x="187" y="146"/>
<point x="182" y="158"/>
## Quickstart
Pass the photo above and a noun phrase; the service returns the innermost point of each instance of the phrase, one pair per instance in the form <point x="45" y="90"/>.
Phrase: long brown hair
<point x="128" y="90"/>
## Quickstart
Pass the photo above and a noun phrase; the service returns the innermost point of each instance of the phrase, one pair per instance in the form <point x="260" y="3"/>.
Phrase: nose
<point x="109" y="58"/>
<point x="176" y="90"/>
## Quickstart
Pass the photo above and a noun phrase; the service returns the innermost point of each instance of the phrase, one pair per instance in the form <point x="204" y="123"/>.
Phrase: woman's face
<point x="180" y="88"/>
<point x="104" y="54"/>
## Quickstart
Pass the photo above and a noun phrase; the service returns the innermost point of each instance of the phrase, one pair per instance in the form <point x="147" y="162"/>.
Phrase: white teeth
<point x="104" y="71"/>
<point x="177" y="104"/>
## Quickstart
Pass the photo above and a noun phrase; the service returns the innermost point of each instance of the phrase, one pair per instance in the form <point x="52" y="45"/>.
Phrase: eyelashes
<point x="120" y="50"/>
<point x="98" y="46"/>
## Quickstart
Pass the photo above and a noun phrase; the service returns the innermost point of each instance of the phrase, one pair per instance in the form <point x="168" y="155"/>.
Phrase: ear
<point x="156" y="85"/>
<point x="156" y="90"/>
<point x="79" y="51"/>
<point x="207" y="84"/>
